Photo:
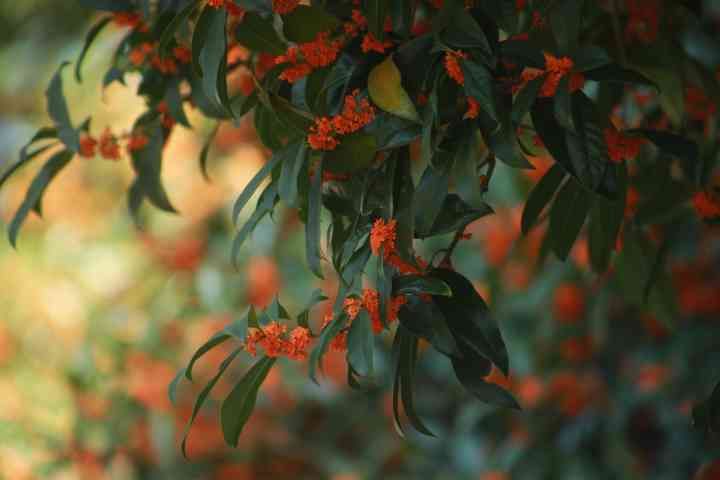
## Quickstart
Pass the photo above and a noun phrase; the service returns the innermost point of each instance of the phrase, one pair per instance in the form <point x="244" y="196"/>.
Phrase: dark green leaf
<point x="213" y="58"/>
<point x="266" y="203"/>
<point x="418" y="285"/>
<point x="469" y="320"/>
<point x="323" y="342"/>
<point x="406" y="351"/>
<point x="205" y="150"/>
<point x="35" y="192"/>
<point x="89" y="39"/>
<point x="486" y="392"/>
<point x="172" y="388"/>
<point x="44" y="133"/>
<point x="375" y="11"/>
<point x="259" y="35"/>
<point x="671" y="143"/>
<point x="566" y="20"/>
<point x="213" y="342"/>
<point x="614" y="73"/>
<point x="253" y="185"/>
<point x="479" y="85"/>
<point x="526" y="98"/>
<point x="425" y="320"/>
<point x="355" y="152"/>
<point x="294" y="156"/>
<point x="606" y="218"/>
<point x="433" y="186"/>
<point x="303" y="24"/>
<point x="590" y="58"/>
<point x="360" y="344"/>
<point x="567" y="217"/>
<point x="58" y="111"/>
<point x="540" y="196"/>
<point x="239" y="404"/>
<point x="454" y="214"/>
<point x="202" y="396"/>
<point x="109" y="5"/>
<point x="147" y="163"/>
<point x="168" y="35"/>
<point x="312" y="226"/>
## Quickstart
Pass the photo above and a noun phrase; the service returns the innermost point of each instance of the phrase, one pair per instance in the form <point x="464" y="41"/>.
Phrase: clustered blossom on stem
<point x="382" y="241"/>
<point x="303" y="58"/>
<point x="555" y="69"/>
<point x="275" y="341"/>
<point x="707" y="204"/>
<point x="452" y="65"/>
<point x="108" y="144"/>
<point x="356" y="113"/>
<point x="369" y="43"/>
<point x="622" y="147"/>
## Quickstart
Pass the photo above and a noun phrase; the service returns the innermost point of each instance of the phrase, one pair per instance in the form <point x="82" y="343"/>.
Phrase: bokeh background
<point x="96" y="316"/>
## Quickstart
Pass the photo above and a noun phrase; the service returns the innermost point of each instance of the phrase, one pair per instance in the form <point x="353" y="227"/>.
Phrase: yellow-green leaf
<point x="386" y="90"/>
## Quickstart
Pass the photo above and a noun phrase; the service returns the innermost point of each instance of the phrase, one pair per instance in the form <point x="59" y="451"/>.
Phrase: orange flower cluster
<point x="569" y="303"/>
<point x="339" y="343"/>
<point x="275" y="342"/>
<point x="473" y="109"/>
<point x="283" y="7"/>
<point x="369" y="43"/>
<point x="452" y="65"/>
<point x="139" y="55"/>
<point x="707" y="205"/>
<point x="229" y="5"/>
<point x="370" y="301"/>
<point x="87" y="146"/>
<point x="165" y="118"/>
<point x="305" y="57"/>
<point x="555" y="69"/>
<point x="109" y="146"/>
<point x="356" y="113"/>
<point x="129" y="19"/>
<point x="622" y="147"/>
<point x="137" y="141"/>
<point x="382" y="238"/>
<point x="643" y="20"/>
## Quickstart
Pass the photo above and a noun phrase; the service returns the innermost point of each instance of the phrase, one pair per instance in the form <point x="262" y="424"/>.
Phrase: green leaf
<point x="172" y="388"/>
<point x="35" y="192"/>
<point x="405" y="349"/>
<point x="403" y="204"/>
<point x="304" y="316"/>
<point x="402" y="12"/>
<point x="253" y="185"/>
<point x="606" y="218"/>
<point x="454" y="214"/>
<point x="386" y="91"/>
<point x="486" y="392"/>
<point x="206" y="150"/>
<point x="239" y="404"/>
<point x="566" y="20"/>
<point x="504" y="144"/>
<point x="45" y="133"/>
<point x="312" y="226"/>
<point x="590" y="58"/>
<point x="360" y="344"/>
<point x="174" y="101"/>
<point x="375" y="11"/>
<point x="202" y="396"/>
<point x="567" y="217"/>
<point x="294" y="156"/>
<point x="469" y="320"/>
<point x="266" y="203"/>
<point x="89" y="39"/>
<point x="354" y="153"/>
<point x="563" y="105"/>
<point x="213" y="342"/>
<point x="460" y="30"/>
<point x="418" y="285"/>
<point x="259" y="35"/>
<point x="201" y="33"/>
<point x="425" y="320"/>
<point x="168" y="34"/>
<point x="58" y="111"/>
<point x="321" y="346"/>
<point x="213" y="58"/>
<point x="525" y="99"/>
<point x="109" y="5"/>
<point x="614" y="73"/>
<point x="671" y="143"/>
<point x="303" y="24"/>
<point x="433" y="186"/>
<point x="147" y="163"/>
<point x="540" y="196"/>
<point x="479" y="85"/>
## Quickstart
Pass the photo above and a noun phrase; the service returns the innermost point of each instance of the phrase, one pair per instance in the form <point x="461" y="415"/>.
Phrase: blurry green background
<point x="96" y="317"/>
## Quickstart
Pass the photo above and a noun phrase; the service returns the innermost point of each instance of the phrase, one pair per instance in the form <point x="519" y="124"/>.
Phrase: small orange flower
<point x="109" y="147"/>
<point x="372" y="44"/>
<point x="383" y="236"/>
<point x="137" y="141"/>
<point x="127" y="19"/>
<point x="339" y="343"/>
<point x="352" y="307"/>
<point x="298" y="344"/>
<point x="87" y="146"/>
<point x="320" y="52"/>
<point x="321" y="135"/>
<point x="569" y="303"/>
<point x="707" y="205"/>
<point x="452" y="65"/>
<point x="473" y="109"/>
<point x="283" y="7"/>
<point x="182" y="54"/>
<point x="622" y="147"/>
